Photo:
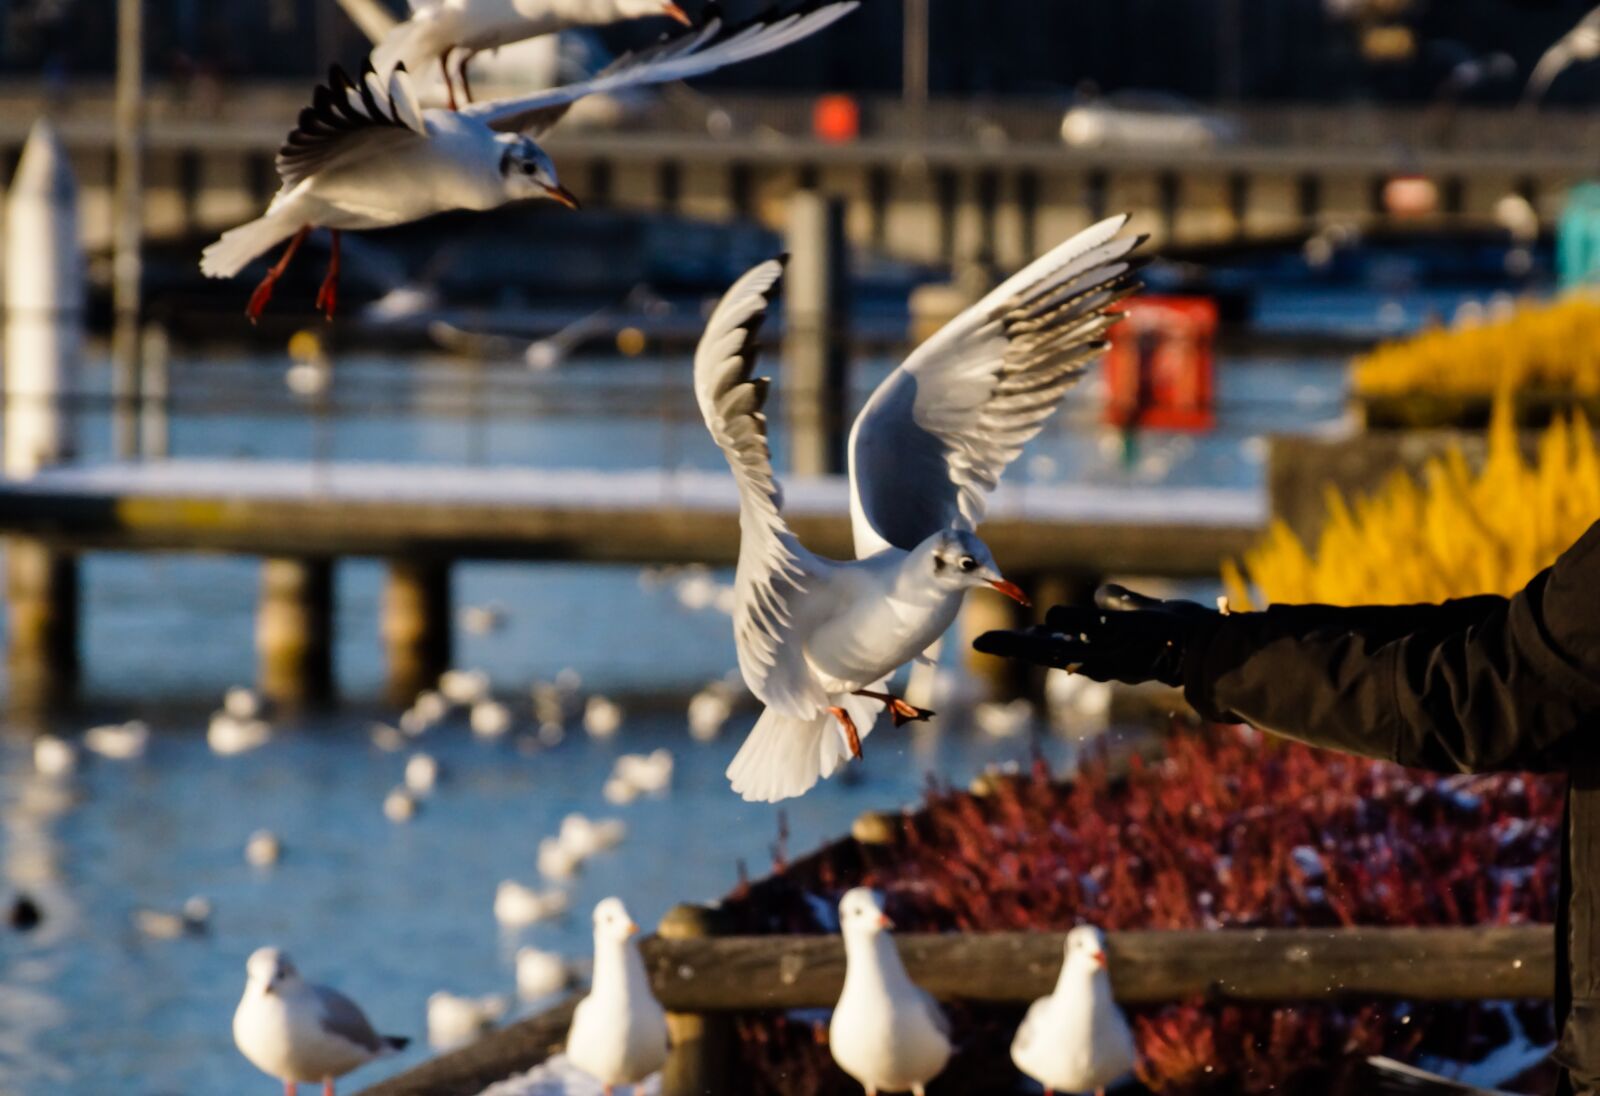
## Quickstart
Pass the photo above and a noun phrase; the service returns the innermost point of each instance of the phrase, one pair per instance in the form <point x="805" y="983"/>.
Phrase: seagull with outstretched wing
<point x="366" y="155"/>
<point x="816" y="638"/>
<point x="1580" y="44"/>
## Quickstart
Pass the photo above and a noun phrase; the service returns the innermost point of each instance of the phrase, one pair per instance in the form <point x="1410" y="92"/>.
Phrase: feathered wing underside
<point x="693" y="53"/>
<point x="783" y="756"/>
<point x="772" y="563"/>
<point x="348" y="117"/>
<point x="933" y="440"/>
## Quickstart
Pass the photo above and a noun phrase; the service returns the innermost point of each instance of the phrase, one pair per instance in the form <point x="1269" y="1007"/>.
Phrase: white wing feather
<point x="935" y="437"/>
<point x="772" y="563"/>
<point x="694" y="53"/>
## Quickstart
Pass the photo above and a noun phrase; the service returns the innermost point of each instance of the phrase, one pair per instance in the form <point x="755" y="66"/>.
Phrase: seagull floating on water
<point x="1076" y="1039"/>
<point x="619" y="1032"/>
<point x="540" y="973"/>
<point x="302" y="1033"/>
<point x="886" y="1031"/>
<point x="367" y="155"/>
<point x="118" y="741"/>
<point x="454" y="1020"/>
<point x="516" y="904"/>
<point x="437" y="29"/>
<point x="816" y="638"/>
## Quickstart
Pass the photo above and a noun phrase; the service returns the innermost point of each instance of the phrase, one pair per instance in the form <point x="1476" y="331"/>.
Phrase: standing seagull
<point x="816" y="637"/>
<point x="438" y="28"/>
<point x="365" y="155"/>
<point x="619" y="1032"/>
<point x="1076" y="1039"/>
<point x="886" y="1031"/>
<point x="298" y="1032"/>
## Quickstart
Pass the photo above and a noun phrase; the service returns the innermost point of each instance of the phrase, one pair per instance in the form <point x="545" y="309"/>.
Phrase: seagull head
<point x="1086" y="950"/>
<point x="861" y="913"/>
<point x="643" y="9"/>
<point x="529" y="172"/>
<point x="958" y="560"/>
<point x="269" y="968"/>
<point x="611" y="921"/>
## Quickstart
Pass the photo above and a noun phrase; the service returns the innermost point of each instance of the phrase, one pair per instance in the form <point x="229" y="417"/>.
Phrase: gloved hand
<point x="1130" y="638"/>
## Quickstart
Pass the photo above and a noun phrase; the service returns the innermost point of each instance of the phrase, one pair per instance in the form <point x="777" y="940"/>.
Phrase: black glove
<point x="1129" y="638"/>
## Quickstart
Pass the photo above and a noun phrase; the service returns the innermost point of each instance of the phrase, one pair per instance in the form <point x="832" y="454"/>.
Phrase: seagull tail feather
<point x="237" y="247"/>
<point x="394" y="1044"/>
<point x="784" y="756"/>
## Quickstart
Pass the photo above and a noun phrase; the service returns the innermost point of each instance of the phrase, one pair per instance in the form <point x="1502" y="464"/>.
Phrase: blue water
<point x="393" y="913"/>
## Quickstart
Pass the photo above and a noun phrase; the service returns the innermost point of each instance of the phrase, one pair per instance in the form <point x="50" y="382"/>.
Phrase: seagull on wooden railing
<point x="816" y="637"/>
<point x="366" y="155"/>
<point x="886" y="1031"/>
<point x="437" y="29"/>
<point x="299" y="1032"/>
<point x="619" y="1031"/>
<point x="1076" y="1039"/>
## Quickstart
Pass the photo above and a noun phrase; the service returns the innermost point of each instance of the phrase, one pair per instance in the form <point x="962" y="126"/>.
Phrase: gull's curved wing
<point x="348" y="118"/>
<point x="1581" y="43"/>
<point x="772" y="563"/>
<point x="693" y="53"/>
<point x="935" y="437"/>
<point x="344" y="1018"/>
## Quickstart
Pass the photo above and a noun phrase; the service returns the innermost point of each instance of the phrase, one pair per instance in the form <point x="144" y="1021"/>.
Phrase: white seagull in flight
<point x="438" y="28"/>
<point x="365" y="154"/>
<point x="1578" y="45"/>
<point x="817" y="637"/>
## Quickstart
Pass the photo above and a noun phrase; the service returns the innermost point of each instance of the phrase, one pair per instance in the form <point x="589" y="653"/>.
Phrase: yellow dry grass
<point x="1455" y="534"/>
<point x="1551" y="348"/>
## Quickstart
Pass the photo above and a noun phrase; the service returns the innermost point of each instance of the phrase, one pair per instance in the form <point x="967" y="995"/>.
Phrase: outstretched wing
<point x="693" y="53"/>
<point x="772" y="563"/>
<point x="1581" y="43"/>
<point x="935" y="437"/>
<point x="348" y="118"/>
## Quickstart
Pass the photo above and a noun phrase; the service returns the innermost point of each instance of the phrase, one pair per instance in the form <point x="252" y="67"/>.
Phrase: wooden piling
<point x="816" y="350"/>
<point x="42" y="620"/>
<point x="702" y="1045"/>
<point x="294" y="626"/>
<point x="416" y="625"/>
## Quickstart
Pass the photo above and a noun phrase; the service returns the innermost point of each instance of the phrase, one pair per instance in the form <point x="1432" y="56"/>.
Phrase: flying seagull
<point x="817" y="637"/>
<point x="436" y="29"/>
<point x="365" y="155"/>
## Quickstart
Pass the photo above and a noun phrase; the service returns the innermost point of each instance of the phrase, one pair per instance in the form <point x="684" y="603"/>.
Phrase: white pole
<point x="44" y="304"/>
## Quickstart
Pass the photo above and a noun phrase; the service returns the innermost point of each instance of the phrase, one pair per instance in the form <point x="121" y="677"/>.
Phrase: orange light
<point x="836" y="119"/>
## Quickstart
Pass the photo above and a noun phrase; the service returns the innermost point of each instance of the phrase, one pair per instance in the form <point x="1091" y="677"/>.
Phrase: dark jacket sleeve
<point x="1473" y="685"/>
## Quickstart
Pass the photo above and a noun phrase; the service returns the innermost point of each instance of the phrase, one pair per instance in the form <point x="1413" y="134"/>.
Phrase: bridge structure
<point x="955" y="181"/>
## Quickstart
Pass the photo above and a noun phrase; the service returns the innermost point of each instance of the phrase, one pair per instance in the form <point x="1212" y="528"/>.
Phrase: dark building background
<point x="1202" y="50"/>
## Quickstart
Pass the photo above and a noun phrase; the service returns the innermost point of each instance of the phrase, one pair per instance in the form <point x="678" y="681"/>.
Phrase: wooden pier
<point x="300" y="517"/>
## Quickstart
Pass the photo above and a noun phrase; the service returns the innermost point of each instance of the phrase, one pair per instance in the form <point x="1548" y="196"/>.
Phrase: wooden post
<point x="702" y="1043"/>
<point x="416" y="625"/>
<point x="127" y="263"/>
<point x="816" y="351"/>
<point x="155" y="354"/>
<point x="42" y="619"/>
<point x="293" y="630"/>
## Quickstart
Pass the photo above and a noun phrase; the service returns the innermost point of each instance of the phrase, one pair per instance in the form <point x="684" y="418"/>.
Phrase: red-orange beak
<point x="673" y="11"/>
<point x="884" y="922"/>
<point x="561" y="194"/>
<point x="1011" y="590"/>
<point x="1099" y="958"/>
<point x="633" y="929"/>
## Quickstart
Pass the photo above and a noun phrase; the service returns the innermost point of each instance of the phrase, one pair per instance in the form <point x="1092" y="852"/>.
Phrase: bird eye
<point x="529" y="169"/>
<point x="968" y="564"/>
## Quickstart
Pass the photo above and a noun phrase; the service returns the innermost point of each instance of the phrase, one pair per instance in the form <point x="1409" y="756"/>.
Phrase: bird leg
<point x="466" y="77"/>
<point x="851" y="735"/>
<point x="328" y="295"/>
<point x="449" y="88"/>
<point x="327" y="1086"/>
<point x="899" y="710"/>
<point x="263" y="293"/>
<point x="289" y="1088"/>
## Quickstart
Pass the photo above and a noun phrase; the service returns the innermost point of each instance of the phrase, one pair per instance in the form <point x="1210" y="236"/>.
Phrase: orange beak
<point x="561" y="194"/>
<point x="633" y="929"/>
<point x="884" y="922"/>
<point x="1099" y="958"/>
<point x="673" y="11"/>
<point x="1011" y="590"/>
